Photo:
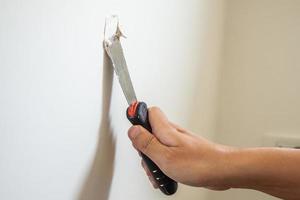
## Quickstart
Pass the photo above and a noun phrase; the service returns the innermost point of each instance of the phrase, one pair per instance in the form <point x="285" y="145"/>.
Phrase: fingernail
<point x="133" y="132"/>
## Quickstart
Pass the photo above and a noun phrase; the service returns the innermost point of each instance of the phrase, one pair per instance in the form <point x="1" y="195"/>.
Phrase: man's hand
<point x="195" y="161"/>
<point x="181" y="155"/>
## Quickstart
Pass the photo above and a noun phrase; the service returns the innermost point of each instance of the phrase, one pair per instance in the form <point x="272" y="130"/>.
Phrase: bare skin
<point x="271" y="170"/>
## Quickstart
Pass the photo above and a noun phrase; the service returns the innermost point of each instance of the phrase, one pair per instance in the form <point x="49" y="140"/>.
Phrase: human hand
<point x="182" y="156"/>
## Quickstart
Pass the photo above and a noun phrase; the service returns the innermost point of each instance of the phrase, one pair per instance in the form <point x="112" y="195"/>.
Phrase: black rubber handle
<point x="137" y="114"/>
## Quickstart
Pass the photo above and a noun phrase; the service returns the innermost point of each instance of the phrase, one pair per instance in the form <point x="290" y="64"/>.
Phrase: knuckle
<point x="154" y="109"/>
<point x="168" y="130"/>
<point x="147" y="143"/>
<point x="137" y="137"/>
<point x="167" y="160"/>
<point x="169" y="156"/>
<point x="131" y="131"/>
<point x="136" y="142"/>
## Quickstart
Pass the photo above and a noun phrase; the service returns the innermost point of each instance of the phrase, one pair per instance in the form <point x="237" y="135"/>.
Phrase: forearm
<point x="275" y="171"/>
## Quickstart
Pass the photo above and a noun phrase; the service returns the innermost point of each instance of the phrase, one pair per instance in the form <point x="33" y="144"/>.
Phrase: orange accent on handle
<point x="132" y="108"/>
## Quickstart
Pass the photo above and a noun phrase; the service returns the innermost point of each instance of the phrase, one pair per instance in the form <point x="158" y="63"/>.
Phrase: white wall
<point x="259" y="82"/>
<point x="62" y="120"/>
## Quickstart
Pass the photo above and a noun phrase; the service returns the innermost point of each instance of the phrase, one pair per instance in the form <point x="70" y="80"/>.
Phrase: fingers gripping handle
<point x="137" y="114"/>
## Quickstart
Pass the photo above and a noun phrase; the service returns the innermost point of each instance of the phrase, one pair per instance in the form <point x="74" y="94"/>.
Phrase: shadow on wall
<point x="98" y="180"/>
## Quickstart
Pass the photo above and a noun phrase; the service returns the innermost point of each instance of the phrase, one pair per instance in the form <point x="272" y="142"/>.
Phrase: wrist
<point x="244" y="168"/>
<point x="221" y="172"/>
<point x="228" y="163"/>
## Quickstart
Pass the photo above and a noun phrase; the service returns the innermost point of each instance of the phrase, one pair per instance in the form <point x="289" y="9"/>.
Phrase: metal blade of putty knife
<point x="112" y="45"/>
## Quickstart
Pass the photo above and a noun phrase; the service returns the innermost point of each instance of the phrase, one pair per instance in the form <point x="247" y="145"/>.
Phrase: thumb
<point x="147" y="143"/>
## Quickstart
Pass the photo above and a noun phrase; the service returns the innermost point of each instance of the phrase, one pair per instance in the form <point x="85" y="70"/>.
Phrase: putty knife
<point x="137" y="112"/>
